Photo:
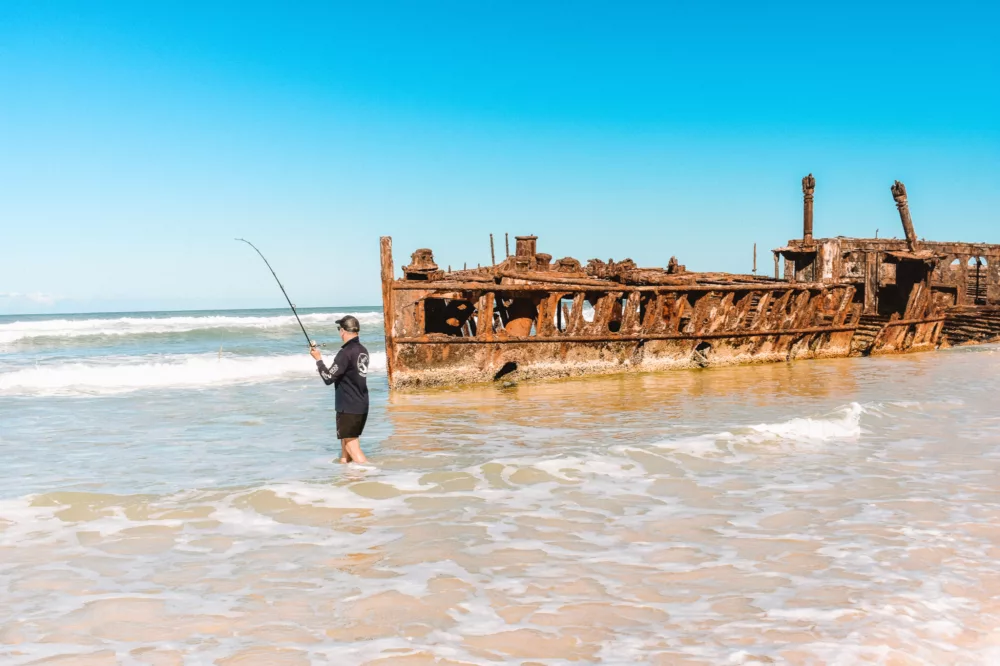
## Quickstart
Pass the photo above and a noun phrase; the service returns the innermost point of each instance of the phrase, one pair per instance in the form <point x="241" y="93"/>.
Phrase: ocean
<point x="170" y="494"/>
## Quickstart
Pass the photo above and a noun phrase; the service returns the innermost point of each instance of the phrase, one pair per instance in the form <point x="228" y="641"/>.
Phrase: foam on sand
<point x="123" y="374"/>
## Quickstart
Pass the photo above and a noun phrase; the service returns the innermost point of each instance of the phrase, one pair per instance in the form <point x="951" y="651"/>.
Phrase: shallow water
<point x="186" y="513"/>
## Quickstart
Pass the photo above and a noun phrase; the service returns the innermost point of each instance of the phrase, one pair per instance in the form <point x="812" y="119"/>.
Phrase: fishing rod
<point x="312" y="343"/>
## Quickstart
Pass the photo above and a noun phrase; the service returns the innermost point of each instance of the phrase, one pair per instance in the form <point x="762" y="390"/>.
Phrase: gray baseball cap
<point x="349" y="324"/>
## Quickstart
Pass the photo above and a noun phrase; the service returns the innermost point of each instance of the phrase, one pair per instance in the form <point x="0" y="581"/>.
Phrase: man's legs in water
<point x="352" y="450"/>
<point x="344" y="458"/>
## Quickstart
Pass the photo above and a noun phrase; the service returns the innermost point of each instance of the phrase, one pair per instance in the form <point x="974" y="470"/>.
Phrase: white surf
<point x="123" y="374"/>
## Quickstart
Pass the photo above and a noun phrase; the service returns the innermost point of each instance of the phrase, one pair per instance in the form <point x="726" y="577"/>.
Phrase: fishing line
<point x="312" y="343"/>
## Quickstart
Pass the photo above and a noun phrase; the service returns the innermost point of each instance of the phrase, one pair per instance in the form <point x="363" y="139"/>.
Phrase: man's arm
<point x="333" y="374"/>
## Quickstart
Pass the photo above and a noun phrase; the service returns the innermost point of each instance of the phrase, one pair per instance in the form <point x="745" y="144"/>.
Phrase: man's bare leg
<point x="353" y="448"/>
<point x="344" y="457"/>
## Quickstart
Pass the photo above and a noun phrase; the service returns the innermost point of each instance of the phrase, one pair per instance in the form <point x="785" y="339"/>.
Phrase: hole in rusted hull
<point x="701" y="352"/>
<point x="508" y="367"/>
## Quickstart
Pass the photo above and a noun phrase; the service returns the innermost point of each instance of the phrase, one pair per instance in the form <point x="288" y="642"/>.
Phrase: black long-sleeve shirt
<point x="348" y="374"/>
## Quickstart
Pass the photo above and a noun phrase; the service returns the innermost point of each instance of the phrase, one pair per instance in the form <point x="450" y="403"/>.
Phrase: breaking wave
<point x="845" y="423"/>
<point x="129" y="326"/>
<point x="841" y="424"/>
<point x="126" y="374"/>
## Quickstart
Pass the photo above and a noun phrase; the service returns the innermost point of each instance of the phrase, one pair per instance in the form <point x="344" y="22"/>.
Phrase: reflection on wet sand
<point x="616" y="407"/>
<point x="824" y="512"/>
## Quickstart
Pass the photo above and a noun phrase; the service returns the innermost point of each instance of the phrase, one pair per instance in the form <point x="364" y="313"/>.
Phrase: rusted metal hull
<point x="440" y="364"/>
<point x="528" y="317"/>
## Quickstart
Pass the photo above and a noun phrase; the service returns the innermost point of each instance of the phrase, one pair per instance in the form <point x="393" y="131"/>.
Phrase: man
<point x="349" y="376"/>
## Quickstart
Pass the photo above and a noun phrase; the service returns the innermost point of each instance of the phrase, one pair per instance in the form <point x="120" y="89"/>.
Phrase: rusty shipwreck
<point x="528" y="316"/>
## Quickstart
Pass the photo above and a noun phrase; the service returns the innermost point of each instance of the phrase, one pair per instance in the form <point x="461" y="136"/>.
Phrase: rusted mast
<point x="493" y="258"/>
<point x="388" y="301"/>
<point x="808" y="187"/>
<point x="899" y="194"/>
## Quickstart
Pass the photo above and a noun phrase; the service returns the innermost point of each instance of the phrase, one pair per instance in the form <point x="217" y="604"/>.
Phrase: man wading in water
<point x="349" y="376"/>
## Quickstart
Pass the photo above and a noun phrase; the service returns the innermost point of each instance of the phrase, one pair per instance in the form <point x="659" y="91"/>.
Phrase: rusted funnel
<point x="808" y="187"/>
<point x="525" y="246"/>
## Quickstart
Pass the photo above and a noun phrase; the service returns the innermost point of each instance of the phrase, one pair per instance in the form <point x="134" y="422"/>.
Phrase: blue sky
<point x="137" y="139"/>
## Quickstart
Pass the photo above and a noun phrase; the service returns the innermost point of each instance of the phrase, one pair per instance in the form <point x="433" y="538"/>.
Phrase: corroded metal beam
<point x="899" y="194"/>
<point x="910" y="322"/>
<point x="628" y="338"/>
<point x="388" y="302"/>
<point x="444" y="286"/>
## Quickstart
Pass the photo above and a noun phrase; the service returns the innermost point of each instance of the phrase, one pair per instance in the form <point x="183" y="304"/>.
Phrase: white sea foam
<point x="700" y="446"/>
<point x="124" y="374"/>
<point x="124" y="326"/>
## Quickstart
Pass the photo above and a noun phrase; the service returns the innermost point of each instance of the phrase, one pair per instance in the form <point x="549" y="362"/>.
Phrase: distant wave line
<point x="126" y="326"/>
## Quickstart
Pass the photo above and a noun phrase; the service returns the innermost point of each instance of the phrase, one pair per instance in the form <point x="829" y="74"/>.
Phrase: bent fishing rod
<point x="312" y="343"/>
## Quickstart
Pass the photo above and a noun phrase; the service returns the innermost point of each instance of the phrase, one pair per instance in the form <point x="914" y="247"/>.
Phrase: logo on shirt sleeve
<point x="363" y="365"/>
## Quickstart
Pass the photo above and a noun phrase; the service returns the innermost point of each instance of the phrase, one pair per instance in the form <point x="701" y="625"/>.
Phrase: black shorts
<point x="350" y="426"/>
